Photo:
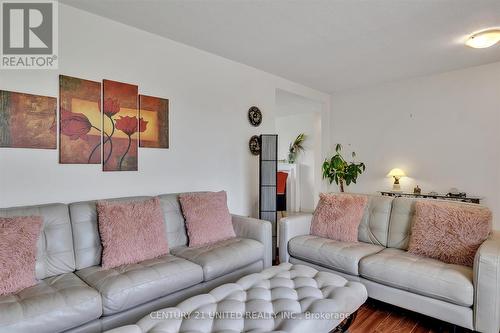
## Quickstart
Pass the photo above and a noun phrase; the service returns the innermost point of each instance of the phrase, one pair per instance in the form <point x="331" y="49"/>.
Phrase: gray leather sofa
<point x="75" y="294"/>
<point x="464" y="296"/>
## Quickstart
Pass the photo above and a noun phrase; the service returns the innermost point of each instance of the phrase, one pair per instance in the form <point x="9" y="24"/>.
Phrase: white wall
<point x="443" y="130"/>
<point x="209" y="97"/>
<point x="287" y="128"/>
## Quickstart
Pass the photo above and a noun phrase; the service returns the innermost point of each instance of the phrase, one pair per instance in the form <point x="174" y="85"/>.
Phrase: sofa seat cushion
<point x="223" y="257"/>
<point x="340" y="256"/>
<point x="53" y="305"/>
<point x="420" y="275"/>
<point x="127" y="286"/>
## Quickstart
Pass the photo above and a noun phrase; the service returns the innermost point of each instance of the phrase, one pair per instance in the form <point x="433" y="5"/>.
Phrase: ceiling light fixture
<point x="484" y="38"/>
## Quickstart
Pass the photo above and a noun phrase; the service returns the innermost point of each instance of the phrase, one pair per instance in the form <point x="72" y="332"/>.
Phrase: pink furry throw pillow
<point x="18" y="238"/>
<point x="207" y="217"/>
<point x="449" y="232"/>
<point x="131" y="232"/>
<point x="338" y="216"/>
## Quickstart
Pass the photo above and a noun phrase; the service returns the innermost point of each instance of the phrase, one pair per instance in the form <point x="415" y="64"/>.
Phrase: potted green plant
<point x="338" y="170"/>
<point x="296" y="147"/>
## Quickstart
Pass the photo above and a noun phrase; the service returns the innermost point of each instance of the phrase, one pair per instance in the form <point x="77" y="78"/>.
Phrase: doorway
<point x="297" y="115"/>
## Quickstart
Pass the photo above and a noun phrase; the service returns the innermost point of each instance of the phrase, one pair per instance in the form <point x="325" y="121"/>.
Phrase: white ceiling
<point x="330" y="45"/>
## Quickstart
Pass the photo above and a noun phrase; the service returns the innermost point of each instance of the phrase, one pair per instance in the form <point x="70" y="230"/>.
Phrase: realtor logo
<point x="29" y="35"/>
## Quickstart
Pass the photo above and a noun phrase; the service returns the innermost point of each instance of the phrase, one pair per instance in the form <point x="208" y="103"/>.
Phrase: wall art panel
<point x="79" y="121"/>
<point x="121" y="126"/>
<point x="153" y="113"/>
<point x="27" y="121"/>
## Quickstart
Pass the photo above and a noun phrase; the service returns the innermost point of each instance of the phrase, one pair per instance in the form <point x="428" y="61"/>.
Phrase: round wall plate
<point x="254" y="116"/>
<point x="254" y="145"/>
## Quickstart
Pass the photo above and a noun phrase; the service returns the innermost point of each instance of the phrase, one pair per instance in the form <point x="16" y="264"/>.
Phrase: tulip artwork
<point x="75" y="125"/>
<point x="79" y="121"/>
<point x="96" y="126"/>
<point x="121" y="126"/>
<point x="154" y="110"/>
<point x="128" y="125"/>
<point x="27" y="121"/>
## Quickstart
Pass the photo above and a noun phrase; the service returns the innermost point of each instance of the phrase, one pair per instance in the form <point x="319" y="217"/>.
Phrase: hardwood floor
<point x="380" y="317"/>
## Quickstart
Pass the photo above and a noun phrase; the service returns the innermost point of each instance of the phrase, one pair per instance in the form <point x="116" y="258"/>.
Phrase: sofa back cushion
<point x="449" y="231"/>
<point x="374" y="225"/>
<point x="402" y="214"/>
<point x="131" y="231"/>
<point x="175" y="224"/>
<point x="88" y="249"/>
<point x="402" y="217"/>
<point x="55" y="254"/>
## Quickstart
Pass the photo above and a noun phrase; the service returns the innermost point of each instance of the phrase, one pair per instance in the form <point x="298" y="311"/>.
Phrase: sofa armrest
<point x="290" y="227"/>
<point x="259" y="230"/>
<point x="487" y="285"/>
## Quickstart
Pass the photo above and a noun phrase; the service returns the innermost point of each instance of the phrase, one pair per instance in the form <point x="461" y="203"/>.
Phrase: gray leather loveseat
<point x="464" y="296"/>
<point x="75" y="294"/>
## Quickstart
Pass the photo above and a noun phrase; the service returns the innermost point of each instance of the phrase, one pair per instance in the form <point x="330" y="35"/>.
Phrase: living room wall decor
<point x="121" y="123"/>
<point x="254" y="145"/>
<point x="27" y="121"/>
<point x="153" y="115"/>
<point x="254" y="116"/>
<point x="79" y="121"/>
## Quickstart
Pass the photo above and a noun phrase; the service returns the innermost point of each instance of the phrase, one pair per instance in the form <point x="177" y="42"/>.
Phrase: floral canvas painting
<point x="79" y="121"/>
<point x="27" y="121"/>
<point x="121" y="126"/>
<point x="153" y="112"/>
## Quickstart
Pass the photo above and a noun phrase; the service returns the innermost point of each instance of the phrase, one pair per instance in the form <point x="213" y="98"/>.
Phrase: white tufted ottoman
<point x="284" y="298"/>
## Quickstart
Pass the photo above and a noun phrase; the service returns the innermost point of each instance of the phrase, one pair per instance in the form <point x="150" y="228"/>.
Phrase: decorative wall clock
<point x="254" y="145"/>
<point x="254" y="116"/>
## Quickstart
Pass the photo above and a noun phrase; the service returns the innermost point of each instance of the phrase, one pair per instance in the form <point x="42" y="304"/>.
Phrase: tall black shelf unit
<point x="268" y="171"/>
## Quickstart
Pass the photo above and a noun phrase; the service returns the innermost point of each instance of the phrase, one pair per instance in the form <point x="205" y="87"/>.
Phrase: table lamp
<point x="397" y="174"/>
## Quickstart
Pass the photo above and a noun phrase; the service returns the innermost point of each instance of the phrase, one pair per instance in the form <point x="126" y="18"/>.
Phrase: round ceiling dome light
<point x="484" y="38"/>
